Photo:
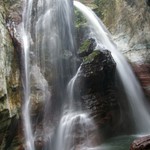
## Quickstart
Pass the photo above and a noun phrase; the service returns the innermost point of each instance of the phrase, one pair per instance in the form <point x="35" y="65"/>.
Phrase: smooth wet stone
<point x="142" y="143"/>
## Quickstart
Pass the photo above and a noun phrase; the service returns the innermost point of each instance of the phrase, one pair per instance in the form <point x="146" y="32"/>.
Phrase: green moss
<point x="10" y="2"/>
<point x="79" y="18"/>
<point x="91" y="57"/>
<point x="85" y="46"/>
<point x="100" y="4"/>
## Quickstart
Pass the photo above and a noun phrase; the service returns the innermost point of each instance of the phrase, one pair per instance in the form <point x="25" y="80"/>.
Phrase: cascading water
<point x="76" y="131"/>
<point x="47" y="32"/>
<point x="26" y="81"/>
<point x="47" y="35"/>
<point x="70" y="90"/>
<point x="132" y="88"/>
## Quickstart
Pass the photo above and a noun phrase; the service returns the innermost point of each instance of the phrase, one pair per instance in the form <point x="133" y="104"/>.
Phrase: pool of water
<point x="118" y="143"/>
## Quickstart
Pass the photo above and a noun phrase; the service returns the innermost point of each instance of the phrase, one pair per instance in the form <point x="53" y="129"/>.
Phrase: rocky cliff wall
<point x="10" y="83"/>
<point x="131" y="32"/>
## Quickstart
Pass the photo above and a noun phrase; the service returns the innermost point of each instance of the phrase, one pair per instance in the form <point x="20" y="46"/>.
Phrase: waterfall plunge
<point x="76" y="131"/>
<point x="132" y="88"/>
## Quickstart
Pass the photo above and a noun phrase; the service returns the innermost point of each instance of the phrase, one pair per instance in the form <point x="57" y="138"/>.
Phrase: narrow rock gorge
<point x="98" y="93"/>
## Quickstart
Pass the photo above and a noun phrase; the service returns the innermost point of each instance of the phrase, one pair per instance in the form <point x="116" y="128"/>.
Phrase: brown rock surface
<point x="142" y="143"/>
<point x="143" y="73"/>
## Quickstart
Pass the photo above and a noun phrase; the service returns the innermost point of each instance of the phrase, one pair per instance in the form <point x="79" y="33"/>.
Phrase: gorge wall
<point x="128" y="21"/>
<point x="10" y="83"/>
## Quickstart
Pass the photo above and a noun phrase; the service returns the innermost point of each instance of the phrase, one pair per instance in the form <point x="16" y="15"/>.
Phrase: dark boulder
<point x="97" y="72"/>
<point x="142" y="143"/>
<point x="148" y="2"/>
<point x="96" y="82"/>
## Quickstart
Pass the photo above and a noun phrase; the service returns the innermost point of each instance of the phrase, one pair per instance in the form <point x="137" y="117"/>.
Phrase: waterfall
<point x="131" y="86"/>
<point x="76" y="131"/>
<point x="48" y="38"/>
<point x="70" y="90"/>
<point x="26" y="81"/>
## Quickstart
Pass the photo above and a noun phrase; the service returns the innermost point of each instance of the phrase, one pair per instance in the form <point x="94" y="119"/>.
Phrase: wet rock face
<point x="10" y="83"/>
<point x="142" y="143"/>
<point x="96" y="85"/>
<point x="9" y="131"/>
<point x="9" y="68"/>
<point x="143" y="73"/>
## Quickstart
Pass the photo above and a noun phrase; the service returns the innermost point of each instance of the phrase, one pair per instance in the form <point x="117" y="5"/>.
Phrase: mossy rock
<point x="84" y="47"/>
<point x="91" y="57"/>
<point x="87" y="47"/>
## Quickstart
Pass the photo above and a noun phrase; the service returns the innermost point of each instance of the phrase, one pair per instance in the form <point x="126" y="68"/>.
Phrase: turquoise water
<point x="118" y="143"/>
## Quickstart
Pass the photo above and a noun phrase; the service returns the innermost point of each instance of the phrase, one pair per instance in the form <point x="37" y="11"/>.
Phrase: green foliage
<point x="79" y="18"/>
<point x="104" y="6"/>
<point x="100" y="4"/>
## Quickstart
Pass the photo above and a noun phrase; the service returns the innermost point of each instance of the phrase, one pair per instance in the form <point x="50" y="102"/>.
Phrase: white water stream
<point x="26" y="81"/>
<point x="76" y="131"/>
<point x="70" y="90"/>
<point x="47" y="32"/>
<point x="132" y="87"/>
